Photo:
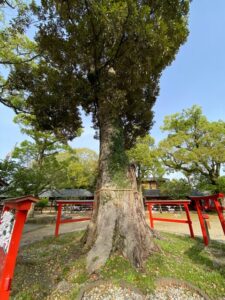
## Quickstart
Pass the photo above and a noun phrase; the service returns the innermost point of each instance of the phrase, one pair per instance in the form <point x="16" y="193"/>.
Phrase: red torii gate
<point x="12" y="222"/>
<point x="61" y="203"/>
<point x="208" y="203"/>
<point x="184" y="203"/>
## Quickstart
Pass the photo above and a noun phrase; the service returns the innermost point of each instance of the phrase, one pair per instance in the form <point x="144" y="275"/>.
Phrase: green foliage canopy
<point x="203" y="184"/>
<point x="145" y="157"/>
<point x="176" y="188"/>
<point x="15" y="49"/>
<point x="221" y="184"/>
<point x="104" y="56"/>
<point x="81" y="168"/>
<point x="194" y="145"/>
<point x="33" y="166"/>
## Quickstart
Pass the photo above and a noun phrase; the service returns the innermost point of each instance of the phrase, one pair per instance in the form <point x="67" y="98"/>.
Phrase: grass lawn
<point x="55" y="268"/>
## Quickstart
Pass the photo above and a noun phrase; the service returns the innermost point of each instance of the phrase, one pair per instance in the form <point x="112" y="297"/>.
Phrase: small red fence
<point x="183" y="203"/>
<point x="64" y="203"/>
<point x="202" y="203"/>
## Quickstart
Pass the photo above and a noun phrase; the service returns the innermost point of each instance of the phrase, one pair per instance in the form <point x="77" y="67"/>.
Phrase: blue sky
<point x="197" y="76"/>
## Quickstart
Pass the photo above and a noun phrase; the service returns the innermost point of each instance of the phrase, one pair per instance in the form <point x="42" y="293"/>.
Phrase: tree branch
<point x="9" y="4"/>
<point x="10" y="105"/>
<point x="121" y="42"/>
<point x="8" y="62"/>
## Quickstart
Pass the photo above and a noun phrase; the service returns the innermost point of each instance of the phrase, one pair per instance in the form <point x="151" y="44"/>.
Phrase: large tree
<point x="105" y="57"/>
<point x="194" y="145"/>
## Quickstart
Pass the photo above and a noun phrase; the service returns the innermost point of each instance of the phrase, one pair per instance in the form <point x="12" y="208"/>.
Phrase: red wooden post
<point x="207" y="205"/>
<point x="206" y="223"/>
<point x="150" y="215"/>
<point x="5" y="208"/>
<point x="189" y="220"/>
<point x="219" y="210"/>
<point x="202" y="223"/>
<point x="8" y="255"/>
<point x="58" y="220"/>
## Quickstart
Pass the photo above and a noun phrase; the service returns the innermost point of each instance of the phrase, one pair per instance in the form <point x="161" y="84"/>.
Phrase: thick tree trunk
<point x="118" y="223"/>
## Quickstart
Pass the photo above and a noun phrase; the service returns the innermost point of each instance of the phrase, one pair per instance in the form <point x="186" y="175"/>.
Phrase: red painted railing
<point x="184" y="203"/>
<point x="212" y="202"/>
<point x="62" y="203"/>
<point x="12" y="222"/>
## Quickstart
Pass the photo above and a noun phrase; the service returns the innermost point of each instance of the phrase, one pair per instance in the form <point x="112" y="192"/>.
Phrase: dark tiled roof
<point x="154" y="179"/>
<point x="154" y="194"/>
<point x="199" y="193"/>
<point x="151" y="193"/>
<point x="66" y="193"/>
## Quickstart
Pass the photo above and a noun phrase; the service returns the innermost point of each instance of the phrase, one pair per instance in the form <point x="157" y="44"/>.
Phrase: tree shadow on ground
<point x="211" y="257"/>
<point x="43" y="265"/>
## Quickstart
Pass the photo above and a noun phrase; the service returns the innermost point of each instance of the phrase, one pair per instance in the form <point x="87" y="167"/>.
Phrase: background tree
<point x="34" y="163"/>
<point x="194" y="145"/>
<point x="7" y="170"/>
<point x="34" y="178"/>
<point x="221" y="184"/>
<point x="203" y="184"/>
<point x="106" y="57"/>
<point x="176" y="188"/>
<point x="145" y="157"/>
<point x="81" y="167"/>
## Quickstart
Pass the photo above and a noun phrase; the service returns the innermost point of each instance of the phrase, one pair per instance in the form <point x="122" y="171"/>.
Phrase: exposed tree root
<point x="118" y="225"/>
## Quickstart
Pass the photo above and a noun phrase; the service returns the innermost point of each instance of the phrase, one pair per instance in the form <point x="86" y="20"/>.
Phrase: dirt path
<point x="215" y="231"/>
<point x="33" y="232"/>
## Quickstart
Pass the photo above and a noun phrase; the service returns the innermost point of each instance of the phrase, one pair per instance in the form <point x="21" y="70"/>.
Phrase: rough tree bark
<point x="118" y="223"/>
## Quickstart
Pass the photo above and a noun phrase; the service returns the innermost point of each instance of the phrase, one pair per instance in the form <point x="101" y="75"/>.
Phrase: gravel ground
<point x="110" y="292"/>
<point x="174" y="293"/>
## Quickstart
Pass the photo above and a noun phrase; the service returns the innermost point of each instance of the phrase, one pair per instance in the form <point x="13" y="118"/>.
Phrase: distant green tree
<point x="35" y="165"/>
<point x="7" y="170"/>
<point x="42" y="203"/>
<point x="34" y="178"/>
<point x="176" y="188"/>
<point x="205" y="185"/>
<point x="81" y="166"/>
<point x="194" y="145"/>
<point x="221" y="184"/>
<point x="145" y="157"/>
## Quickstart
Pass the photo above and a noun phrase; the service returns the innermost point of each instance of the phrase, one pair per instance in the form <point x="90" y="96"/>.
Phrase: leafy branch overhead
<point x="16" y="48"/>
<point x="96" y="53"/>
